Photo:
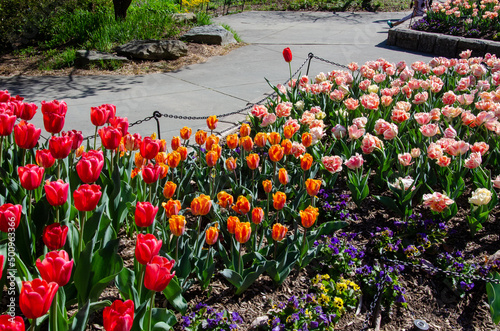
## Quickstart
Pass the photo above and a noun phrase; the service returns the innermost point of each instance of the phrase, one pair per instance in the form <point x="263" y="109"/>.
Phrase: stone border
<point x="439" y="44"/>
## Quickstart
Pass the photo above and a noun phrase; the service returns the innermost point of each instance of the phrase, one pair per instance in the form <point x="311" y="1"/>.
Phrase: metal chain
<point x="140" y="121"/>
<point x="373" y="304"/>
<point x="435" y="270"/>
<point x="328" y="61"/>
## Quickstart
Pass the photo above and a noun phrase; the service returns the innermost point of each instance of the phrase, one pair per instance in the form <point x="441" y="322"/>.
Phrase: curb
<point x="439" y="44"/>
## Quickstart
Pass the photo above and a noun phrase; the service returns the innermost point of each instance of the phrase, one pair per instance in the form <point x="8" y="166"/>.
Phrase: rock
<point x="446" y="46"/>
<point x="427" y="42"/>
<point x="85" y="57"/>
<point x="259" y="322"/>
<point x="477" y="46"/>
<point x="153" y="49"/>
<point x="408" y="39"/>
<point x="210" y="35"/>
<point x="184" y="17"/>
<point x="493" y="47"/>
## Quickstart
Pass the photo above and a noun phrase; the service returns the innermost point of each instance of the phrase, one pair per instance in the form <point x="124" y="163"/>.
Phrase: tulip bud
<point x="211" y="235"/>
<point x="279" y="232"/>
<point x="287" y="55"/>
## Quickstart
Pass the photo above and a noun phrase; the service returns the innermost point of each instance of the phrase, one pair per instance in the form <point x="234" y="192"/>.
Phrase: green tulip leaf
<point x="173" y="293"/>
<point x="493" y="291"/>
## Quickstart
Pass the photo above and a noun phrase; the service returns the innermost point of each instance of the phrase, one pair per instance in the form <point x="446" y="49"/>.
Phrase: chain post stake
<point x="157" y="115"/>
<point x="310" y="56"/>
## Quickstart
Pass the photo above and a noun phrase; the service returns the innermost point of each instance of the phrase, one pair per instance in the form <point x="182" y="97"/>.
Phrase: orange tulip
<point x="201" y="205"/>
<point x="163" y="170"/>
<point x="186" y="133"/>
<point x="212" y="234"/>
<point x="313" y="186"/>
<point x="306" y="161"/>
<point x="177" y="225"/>
<point x="231" y="164"/>
<point x="225" y="199"/>
<point x="242" y="232"/>
<point x="173" y="159"/>
<point x="268" y="185"/>
<point x="212" y="158"/>
<point x="260" y="139"/>
<point x="212" y="122"/>
<point x="245" y="130"/>
<point x="211" y="141"/>
<point x="289" y="131"/>
<point x="175" y="142"/>
<point x="139" y="161"/>
<point x="279" y="232"/>
<point x="274" y="138"/>
<point x="161" y="157"/>
<point x="200" y="137"/>
<point x="232" y="141"/>
<point x="306" y="139"/>
<point x="242" y="205"/>
<point x="308" y="216"/>
<point x="247" y="143"/>
<point x="218" y="149"/>
<point x="257" y="215"/>
<point x="253" y="161"/>
<point x="287" y="146"/>
<point x="172" y="207"/>
<point x="279" y="200"/>
<point x="183" y="152"/>
<point x="276" y="153"/>
<point x="283" y="176"/>
<point x="169" y="189"/>
<point x="231" y="223"/>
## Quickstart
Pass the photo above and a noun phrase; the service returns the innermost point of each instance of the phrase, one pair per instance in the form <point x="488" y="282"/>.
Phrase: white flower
<point x="299" y="105"/>
<point x="404" y="183"/>
<point x="480" y="197"/>
<point x="373" y="88"/>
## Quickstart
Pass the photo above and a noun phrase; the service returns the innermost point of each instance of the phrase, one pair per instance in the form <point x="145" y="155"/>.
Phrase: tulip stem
<point x="275" y="250"/>
<point x="32" y="325"/>
<point x="303" y="246"/>
<point x="95" y="136"/>
<point x="274" y="177"/>
<point x="239" y="260"/>
<point x="30" y="196"/>
<point x="150" y="192"/>
<point x="177" y="249"/>
<point x="290" y="68"/>
<point x="53" y="314"/>
<point x="151" y="310"/>
<point x="1" y="150"/>
<point x="199" y="226"/>
<point x="267" y="209"/>
<point x="141" y="280"/>
<point x="80" y="240"/>
<point x="111" y="164"/>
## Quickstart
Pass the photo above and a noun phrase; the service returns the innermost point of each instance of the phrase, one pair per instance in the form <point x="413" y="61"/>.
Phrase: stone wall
<point x="439" y="44"/>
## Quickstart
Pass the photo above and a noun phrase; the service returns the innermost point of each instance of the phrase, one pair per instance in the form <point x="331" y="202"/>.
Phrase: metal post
<point x="157" y="115"/>
<point x="310" y="55"/>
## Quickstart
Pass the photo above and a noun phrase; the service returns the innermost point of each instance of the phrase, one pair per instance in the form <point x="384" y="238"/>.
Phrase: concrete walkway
<point x="222" y="84"/>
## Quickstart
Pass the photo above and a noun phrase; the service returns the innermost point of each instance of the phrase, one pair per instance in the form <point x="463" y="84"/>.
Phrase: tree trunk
<point x="121" y="7"/>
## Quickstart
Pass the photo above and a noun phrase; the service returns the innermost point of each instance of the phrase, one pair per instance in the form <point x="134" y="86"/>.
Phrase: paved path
<point x="222" y="84"/>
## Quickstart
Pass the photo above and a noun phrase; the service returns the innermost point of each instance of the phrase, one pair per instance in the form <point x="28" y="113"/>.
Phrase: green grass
<point x="235" y="34"/>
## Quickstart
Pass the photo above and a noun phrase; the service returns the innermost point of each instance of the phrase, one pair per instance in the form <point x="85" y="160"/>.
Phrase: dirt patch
<point x="11" y="65"/>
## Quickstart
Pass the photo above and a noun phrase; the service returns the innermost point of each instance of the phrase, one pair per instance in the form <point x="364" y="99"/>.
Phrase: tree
<point x="121" y="7"/>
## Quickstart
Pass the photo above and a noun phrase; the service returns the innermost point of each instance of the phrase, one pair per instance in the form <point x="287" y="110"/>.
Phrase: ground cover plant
<point x="467" y="18"/>
<point x="288" y="194"/>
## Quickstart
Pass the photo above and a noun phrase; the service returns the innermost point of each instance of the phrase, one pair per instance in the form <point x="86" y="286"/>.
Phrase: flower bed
<point x="418" y="142"/>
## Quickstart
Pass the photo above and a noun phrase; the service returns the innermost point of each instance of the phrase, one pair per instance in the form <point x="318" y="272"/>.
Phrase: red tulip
<point x="119" y="316"/>
<point x="44" y="158"/>
<point x="102" y="114"/>
<point x="145" y="214"/>
<point x="54" y="236"/>
<point x="56" y="267"/>
<point x="30" y="176"/>
<point x="53" y="115"/>
<point x="76" y="138"/>
<point x="27" y="111"/>
<point x="146" y="247"/>
<point x="90" y="166"/>
<point x="287" y="55"/>
<point x="36" y="297"/>
<point x="150" y="148"/>
<point x="86" y="197"/>
<point x="60" y="147"/>
<point x="8" y="323"/>
<point x="10" y="216"/>
<point x="151" y="173"/>
<point x="26" y="135"/>
<point x="110" y="137"/>
<point x="158" y="273"/>
<point x="56" y="192"/>
<point x="6" y="124"/>
<point x="120" y="123"/>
